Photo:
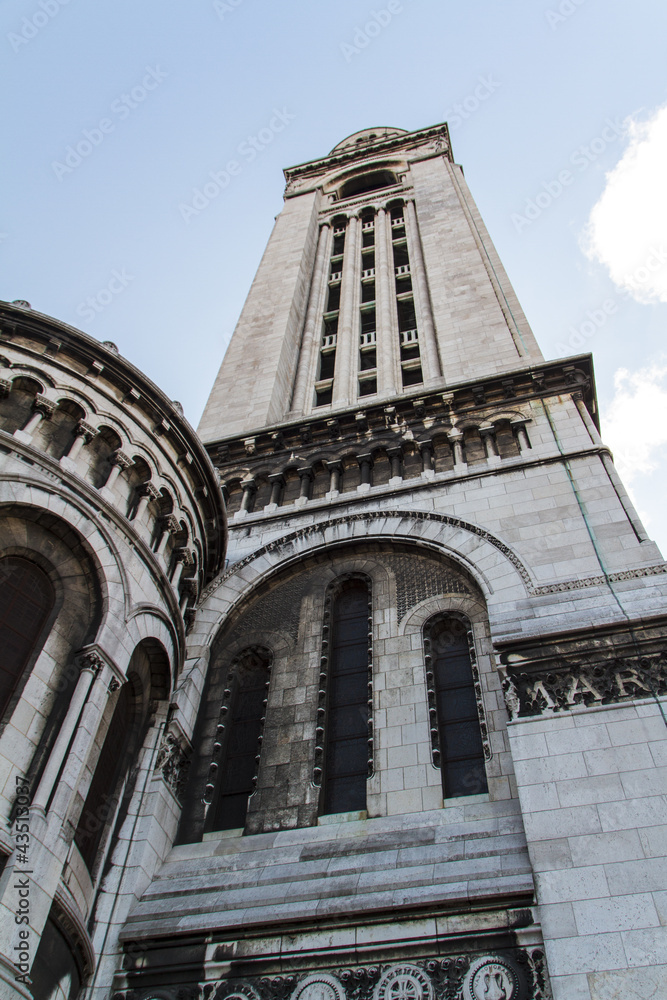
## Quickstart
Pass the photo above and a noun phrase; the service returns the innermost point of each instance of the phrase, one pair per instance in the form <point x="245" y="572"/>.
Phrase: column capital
<point x="121" y="459"/>
<point x="148" y="490"/>
<point x="334" y="464"/>
<point x="170" y="524"/>
<point x="276" y="477"/>
<point x="42" y="404"/>
<point x="184" y="555"/>
<point x="85" y="430"/>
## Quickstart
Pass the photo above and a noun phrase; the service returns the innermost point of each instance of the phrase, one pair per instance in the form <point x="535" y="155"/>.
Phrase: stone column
<point x="89" y="665"/>
<point x="120" y="462"/>
<point x="147" y="492"/>
<point x="335" y="470"/>
<point x="385" y="294"/>
<point x="426" y="451"/>
<point x="189" y="590"/>
<point x="456" y="441"/>
<point x="427" y="339"/>
<point x="83" y="434"/>
<point x="310" y="339"/>
<point x="170" y="526"/>
<point x="518" y="425"/>
<point x="395" y="457"/>
<point x="249" y="487"/>
<point x="488" y="435"/>
<point x="183" y="559"/>
<point x="43" y="409"/>
<point x="306" y="477"/>
<point x="365" y="466"/>
<point x="347" y="351"/>
<point x="277" y="481"/>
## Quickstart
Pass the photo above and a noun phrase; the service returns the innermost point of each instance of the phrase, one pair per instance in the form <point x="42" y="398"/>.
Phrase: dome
<point x="366" y="136"/>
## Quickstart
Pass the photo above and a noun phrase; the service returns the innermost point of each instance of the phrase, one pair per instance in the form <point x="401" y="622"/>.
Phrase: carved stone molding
<point x="506" y="974"/>
<point x="575" y="684"/>
<point x="173" y="761"/>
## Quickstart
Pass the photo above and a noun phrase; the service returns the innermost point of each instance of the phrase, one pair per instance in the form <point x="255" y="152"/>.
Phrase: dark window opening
<point x="241" y="747"/>
<point x="346" y="758"/>
<point x="323" y="396"/>
<point x="327" y="364"/>
<point x="368" y="238"/>
<point x="330" y="327"/>
<point x="407" y="319"/>
<point x="338" y="245"/>
<point x="368" y="386"/>
<point x="368" y="320"/>
<point x="409" y="351"/>
<point x="396" y="212"/>
<point x="401" y="258"/>
<point x="403" y="284"/>
<point x="462" y="754"/>
<point x="26" y="602"/>
<point x="368" y="359"/>
<point x="368" y="291"/>
<point x="333" y="299"/>
<point x="336" y="266"/>
<point x="412" y="376"/>
<point x="367" y="260"/>
<point x="368" y="182"/>
<point x="102" y="800"/>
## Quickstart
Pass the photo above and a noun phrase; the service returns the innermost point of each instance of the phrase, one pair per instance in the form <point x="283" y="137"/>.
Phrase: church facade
<point x="392" y="726"/>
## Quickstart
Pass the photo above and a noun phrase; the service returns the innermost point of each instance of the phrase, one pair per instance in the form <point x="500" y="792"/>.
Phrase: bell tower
<point x="379" y="279"/>
<point x="423" y="704"/>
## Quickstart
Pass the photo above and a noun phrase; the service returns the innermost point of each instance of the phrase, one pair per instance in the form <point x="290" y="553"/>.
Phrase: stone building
<point x="415" y="747"/>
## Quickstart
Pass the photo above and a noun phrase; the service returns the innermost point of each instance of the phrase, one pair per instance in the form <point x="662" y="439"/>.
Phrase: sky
<point x="115" y="113"/>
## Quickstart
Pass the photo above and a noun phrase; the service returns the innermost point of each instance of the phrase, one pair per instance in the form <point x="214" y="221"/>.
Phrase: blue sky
<point x="161" y="95"/>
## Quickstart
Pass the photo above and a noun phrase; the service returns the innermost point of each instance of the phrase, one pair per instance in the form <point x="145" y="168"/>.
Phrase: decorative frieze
<point x="575" y="684"/>
<point x="506" y="974"/>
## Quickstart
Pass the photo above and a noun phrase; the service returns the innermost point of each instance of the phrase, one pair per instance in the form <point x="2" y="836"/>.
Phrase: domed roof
<point x="367" y="136"/>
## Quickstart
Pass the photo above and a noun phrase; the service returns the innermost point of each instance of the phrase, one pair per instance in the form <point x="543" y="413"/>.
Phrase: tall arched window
<point x="457" y="741"/>
<point x="239" y="736"/>
<point x="346" y="751"/>
<point x="102" y="799"/>
<point x="27" y="599"/>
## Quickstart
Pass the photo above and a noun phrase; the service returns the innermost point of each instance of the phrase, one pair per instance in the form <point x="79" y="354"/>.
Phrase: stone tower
<point x="412" y="746"/>
<point x="422" y="514"/>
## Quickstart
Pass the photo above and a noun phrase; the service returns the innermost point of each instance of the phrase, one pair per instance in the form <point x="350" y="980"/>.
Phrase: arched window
<point x="457" y="740"/>
<point x="346" y="751"/>
<point x="102" y="799"/>
<point x="239" y="737"/>
<point x="27" y="599"/>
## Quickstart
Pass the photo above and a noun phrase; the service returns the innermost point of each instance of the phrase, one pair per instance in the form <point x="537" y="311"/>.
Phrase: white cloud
<point x="635" y="423"/>
<point x="627" y="228"/>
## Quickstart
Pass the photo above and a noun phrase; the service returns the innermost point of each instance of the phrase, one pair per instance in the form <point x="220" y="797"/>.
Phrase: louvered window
<point x="241" y="742"/>
<point x="461" y="750"/>
<point x="346" y="758"/>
